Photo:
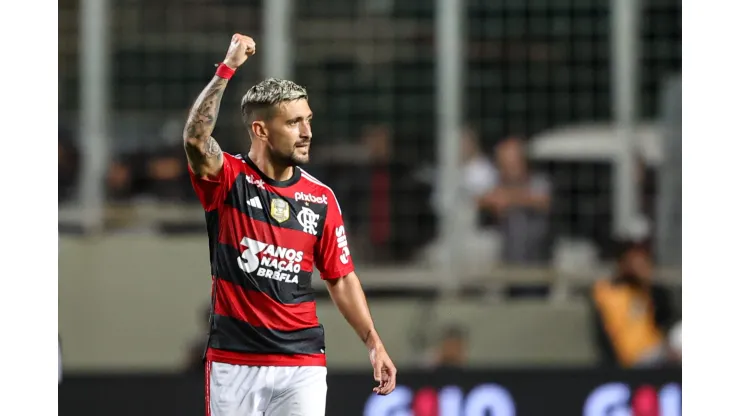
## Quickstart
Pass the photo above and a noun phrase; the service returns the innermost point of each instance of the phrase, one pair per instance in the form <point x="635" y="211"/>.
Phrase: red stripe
<point x="208" y="387"/>
<point x="260" y="310"/>
<point x="235" y="225"/>
<point x="280" y="360"/>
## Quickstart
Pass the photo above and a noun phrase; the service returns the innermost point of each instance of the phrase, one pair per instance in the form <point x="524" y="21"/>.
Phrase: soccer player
<point x="269" y="222"/>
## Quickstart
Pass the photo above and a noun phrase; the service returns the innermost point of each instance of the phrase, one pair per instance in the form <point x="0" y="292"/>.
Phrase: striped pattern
<point x="263" y="307"/>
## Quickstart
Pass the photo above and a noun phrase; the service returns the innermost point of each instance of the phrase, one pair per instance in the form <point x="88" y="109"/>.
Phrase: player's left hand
<point x="383" y="370"/>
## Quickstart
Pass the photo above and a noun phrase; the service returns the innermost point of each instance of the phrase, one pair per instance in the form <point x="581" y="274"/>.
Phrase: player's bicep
<point x="205" y="157"/>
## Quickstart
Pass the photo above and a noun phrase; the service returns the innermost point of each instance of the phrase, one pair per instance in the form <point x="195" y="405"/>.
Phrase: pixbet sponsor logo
<point x="618" y="399"/>
<point x="342" y="244"/>
<point x="300" y="196"/>
<point x="482" y="400"/>
<point x="270" y="261"/>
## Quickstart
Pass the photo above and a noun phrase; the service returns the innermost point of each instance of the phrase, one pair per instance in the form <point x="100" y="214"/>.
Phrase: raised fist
<point x="241" y="48"/>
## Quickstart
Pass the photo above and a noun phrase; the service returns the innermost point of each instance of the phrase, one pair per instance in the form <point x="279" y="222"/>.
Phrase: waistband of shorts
<point x="277" y="360"/>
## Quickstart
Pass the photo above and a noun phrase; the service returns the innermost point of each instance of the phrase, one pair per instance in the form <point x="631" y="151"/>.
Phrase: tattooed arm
<point x="204" y="154"/>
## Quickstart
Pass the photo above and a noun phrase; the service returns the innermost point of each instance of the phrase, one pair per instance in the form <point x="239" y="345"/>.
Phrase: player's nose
<point x="305" y="132"/>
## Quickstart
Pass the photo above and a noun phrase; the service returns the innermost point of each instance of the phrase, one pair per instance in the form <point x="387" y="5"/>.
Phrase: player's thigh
<point x="237" y="390"/>
<point x="305" y="394"/>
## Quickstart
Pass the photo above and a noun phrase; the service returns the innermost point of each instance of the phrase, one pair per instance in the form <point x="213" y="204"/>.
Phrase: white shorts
<point x="240" y="390"/>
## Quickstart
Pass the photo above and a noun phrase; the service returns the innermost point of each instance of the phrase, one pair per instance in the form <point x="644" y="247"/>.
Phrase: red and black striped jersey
<point x="265" y="236"/>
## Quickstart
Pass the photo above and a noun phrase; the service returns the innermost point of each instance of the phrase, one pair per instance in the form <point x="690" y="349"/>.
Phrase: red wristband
<point x="224" y="71"/>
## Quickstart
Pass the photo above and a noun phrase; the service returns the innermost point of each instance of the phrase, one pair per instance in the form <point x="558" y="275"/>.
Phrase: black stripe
<point x="234" y="335"/>
<point x="228" y="269"/>
<point x="242" y="191"/>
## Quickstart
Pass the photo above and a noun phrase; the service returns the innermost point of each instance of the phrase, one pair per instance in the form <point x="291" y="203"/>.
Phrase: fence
<point x="390" y="83"/>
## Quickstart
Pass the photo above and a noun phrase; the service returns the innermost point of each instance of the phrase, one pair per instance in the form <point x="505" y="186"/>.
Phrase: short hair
<point x="627" y="246"/>
<point x="262" y="99"/>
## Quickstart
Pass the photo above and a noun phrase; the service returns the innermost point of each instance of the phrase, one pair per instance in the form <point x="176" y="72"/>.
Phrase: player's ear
<point x="259" y="130"/>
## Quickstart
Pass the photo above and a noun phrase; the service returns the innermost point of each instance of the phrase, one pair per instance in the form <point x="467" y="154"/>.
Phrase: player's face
<point x="290" y="135"/>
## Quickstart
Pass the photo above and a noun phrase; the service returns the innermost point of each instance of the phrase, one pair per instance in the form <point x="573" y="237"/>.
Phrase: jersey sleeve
<point x="212" y="191"/>
<point x="333" y="257"/>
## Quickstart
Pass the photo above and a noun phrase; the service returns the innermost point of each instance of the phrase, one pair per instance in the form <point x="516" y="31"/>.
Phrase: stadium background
<point x="592" y="86"/>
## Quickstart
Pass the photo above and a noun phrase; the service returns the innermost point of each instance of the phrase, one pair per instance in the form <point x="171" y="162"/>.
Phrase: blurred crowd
<point x="391" y="199"/>
<point x="159" y="173"/>
<point x="391" y="202"/>
<point x="529" y="68"/>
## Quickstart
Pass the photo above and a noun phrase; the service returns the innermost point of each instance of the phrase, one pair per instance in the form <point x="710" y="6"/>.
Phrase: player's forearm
<point x="350" y="299"/>
<point x="203" y="114"/>
<point x="202" y="149"/>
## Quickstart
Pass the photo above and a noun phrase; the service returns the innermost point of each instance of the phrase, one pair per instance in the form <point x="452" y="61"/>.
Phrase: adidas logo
<point x="255" y="202"/>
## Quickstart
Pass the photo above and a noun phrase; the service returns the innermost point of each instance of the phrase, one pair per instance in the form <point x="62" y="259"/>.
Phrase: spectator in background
<point x="478" y="173"/>
<point x="380" y="172"/>
<point x="632" y="315"/>
<point x="451" y="352"/>
<point x="477" y="176"/>
<point x="389" y="204"/>
<point x="166" y="169"/>
<point x="120" y="180"/>
<point x="167" y="175"/>
<point x="520" y="203"/>
<point x="68" y="165"/>
<point x="478" y="239"/>
<point x="161" y="174"/>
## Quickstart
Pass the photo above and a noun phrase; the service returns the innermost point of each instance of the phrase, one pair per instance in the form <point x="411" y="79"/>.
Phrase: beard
<point x="290" y="158"/>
